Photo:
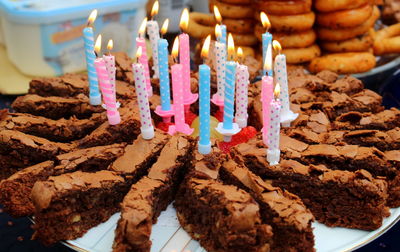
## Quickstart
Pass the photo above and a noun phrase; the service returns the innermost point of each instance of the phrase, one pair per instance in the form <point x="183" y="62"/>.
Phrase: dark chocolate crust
<point x="221" y="217"/>
<point x="67" y="206"/>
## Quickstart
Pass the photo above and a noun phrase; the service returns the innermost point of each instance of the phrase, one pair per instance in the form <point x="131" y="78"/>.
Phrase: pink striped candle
<point x="267" y="94"/>
<point x="107" y="92"/>
<point x="111" y="69"/>
<point x="179" y="109"/>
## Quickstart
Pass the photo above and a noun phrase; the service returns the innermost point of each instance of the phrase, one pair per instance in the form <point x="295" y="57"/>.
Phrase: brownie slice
<point x="139" y="211"/>
<point x="139" y="157"/>
<point x="126" y="131"/>
<point x="67" y="206"/>
<point x="285" y="212"/>
<point x="27" y="149"/>
<point x="55" y="107"/>
<point x="60" y="130"/>
<point x="385" y="120"/>
<point x="221" y="217"/>
<point x="15" y="191"/>
<point x="335" y="197"/>
<point x="70" y="85"/>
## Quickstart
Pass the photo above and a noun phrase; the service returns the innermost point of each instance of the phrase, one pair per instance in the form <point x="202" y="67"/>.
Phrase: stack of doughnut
<point x="292" y="25"/>
<point x="238" y="16"/>
<point x="346" y="36"/>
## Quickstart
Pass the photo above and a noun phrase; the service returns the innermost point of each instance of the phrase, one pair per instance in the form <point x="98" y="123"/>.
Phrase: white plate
<point x="167" y="236"/>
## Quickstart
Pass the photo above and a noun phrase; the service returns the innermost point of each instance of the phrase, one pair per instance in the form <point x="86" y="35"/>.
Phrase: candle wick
<point x="95" y="53"/>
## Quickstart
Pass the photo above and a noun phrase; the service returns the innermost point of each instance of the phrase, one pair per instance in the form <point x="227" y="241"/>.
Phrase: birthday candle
<point x="242" y="83"/>
<point x="266" y="40"/>
<point x="220" y="52"/>
<point x="88" y="38"/>
<point x="141" y="42"/>
<point x="110" y="65"/>
<point x="146" y="128"/>
<point x="154" y="35"/>
<point x="273" y="152"/>
<point x="163" y="70"/>
<point x="267" y="95"/>
<point x="106" y="87"/>
<point x="184" y="59"/>
<point x="229" y="96"/>
<point x="204" y="145"/>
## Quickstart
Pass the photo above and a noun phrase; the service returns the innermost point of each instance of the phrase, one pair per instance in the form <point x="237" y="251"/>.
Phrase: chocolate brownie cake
<point x="60" y="130"/>
<point x="335" y="197"/>
<point x="55" y="107"/>
<point x="67" y="206"/>
<point x="285" y="212"/>
<point x="15" y="191"/>
<point x="221" y="217"/>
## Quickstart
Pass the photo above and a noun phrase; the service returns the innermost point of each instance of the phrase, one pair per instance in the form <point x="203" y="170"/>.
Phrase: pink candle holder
<point x="219" y="101"/>
<point x="166" y="115"/>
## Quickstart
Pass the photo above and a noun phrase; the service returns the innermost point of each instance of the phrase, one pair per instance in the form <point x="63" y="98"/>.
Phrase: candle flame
<point x="265" y="20"/>
<point x="206" y="47"/>
<point x="154" y="9"/>
<point x="142" y="27"/>
<point x="240" y="53"/>
<point x="277" y="90"/>
<point x="277" y="46"/>
<point x="183" y="24"/>
<point x="139" y="52"/>
<point x="218" y="32"/>
<point x="164" y="27"/>
<point x="175" y="48"/>
<point x="110" y="45"/>
<point x="92" y="17"/>
<point x="231" y="47"/>
<point x="97" y="45"/>
<point x="217" y="14"/>
<point x="268" y="59"/>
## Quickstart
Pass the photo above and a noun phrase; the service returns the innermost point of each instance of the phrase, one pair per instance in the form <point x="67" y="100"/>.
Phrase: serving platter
<point x="167" y="236"/>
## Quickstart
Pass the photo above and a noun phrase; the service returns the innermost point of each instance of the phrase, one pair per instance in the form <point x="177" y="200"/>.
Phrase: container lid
<point x="52" y="11"/>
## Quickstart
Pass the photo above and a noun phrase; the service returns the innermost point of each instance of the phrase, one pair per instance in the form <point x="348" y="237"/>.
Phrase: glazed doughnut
<point x="301" y="55"/>
<point x="291" y="23"/>
<point x="387" y="40"/>
<point x="344" y="63"/>
<point x="336" y="5"/>
<point x="237" y="1"/>
<point x="244" y="39"/>
<point x="232" y="11"/>
<point x="345" y="18"/>
<point x="359" y="44"/>
<point x="242" y="26"/>
<point x="348" y="33"/>
<point x="276" y="7"/>
<point x="293" y="40"/>
<point x="200" y="25"/>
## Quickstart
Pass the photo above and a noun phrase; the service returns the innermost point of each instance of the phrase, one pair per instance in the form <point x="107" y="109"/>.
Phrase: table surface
<point x="15" y="234"/>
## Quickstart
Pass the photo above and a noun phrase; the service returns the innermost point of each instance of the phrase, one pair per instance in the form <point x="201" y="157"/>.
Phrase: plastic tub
<point x="44" y="37"/>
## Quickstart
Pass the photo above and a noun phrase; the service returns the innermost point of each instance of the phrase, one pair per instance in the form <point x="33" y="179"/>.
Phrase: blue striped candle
<point x="164" y="75"/>
<point x="94" y="92"/>
<point x="266" y="41"/>
<point x="229" y="94"/>
<point x="204" y="109"/>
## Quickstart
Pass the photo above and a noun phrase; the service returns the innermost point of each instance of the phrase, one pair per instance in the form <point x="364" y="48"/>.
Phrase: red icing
<point x="242" y="137"/>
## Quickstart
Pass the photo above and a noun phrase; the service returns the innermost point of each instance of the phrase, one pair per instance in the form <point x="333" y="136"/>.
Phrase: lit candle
<point x="287" y="116"/>
<point x="220" y="52"/>
<point x="177" y="92"/>
<point x="242" y="84"/>
<point x="204" y="145"/>
<point x="146" y="128"/>
<point x="165" y="110"/>
<point x="141" y="42"/>
<point x="218" y="18"/>
<point x="266" y="39"/>
<point x="88" y="38"/>
<point x="110" y="65"/>
<point x="267" y="89"/>
<point x="106" y="87"/>
<point x="184" y="60"/>
<point x="273" y="151"/>
<point x="154" y="35"/>
<point x="227" y="128"/>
